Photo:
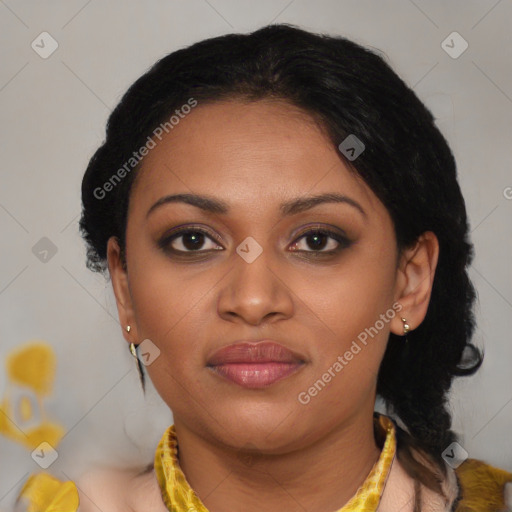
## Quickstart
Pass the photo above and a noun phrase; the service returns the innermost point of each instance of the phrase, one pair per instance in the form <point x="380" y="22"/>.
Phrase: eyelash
<point x="342" y="241"/>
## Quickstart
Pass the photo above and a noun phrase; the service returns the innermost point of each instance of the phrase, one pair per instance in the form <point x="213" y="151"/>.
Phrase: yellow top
<point x="482" y="485"/>
<point x="178" y="496"/>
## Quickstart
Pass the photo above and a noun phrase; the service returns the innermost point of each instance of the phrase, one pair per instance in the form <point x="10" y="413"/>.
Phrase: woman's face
<point x="318" y="296"/>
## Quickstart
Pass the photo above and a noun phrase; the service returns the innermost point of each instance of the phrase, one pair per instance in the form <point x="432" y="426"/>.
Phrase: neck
<point x="321" y="476"/>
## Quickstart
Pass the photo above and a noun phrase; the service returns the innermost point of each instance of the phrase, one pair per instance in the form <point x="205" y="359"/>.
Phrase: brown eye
<point x="318" y="241"/>
<point x="188" y="240"/>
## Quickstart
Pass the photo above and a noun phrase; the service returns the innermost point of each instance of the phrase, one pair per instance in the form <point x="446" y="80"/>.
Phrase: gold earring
<point x="128" y="328"/>
<point x="407" y="327"/>
<point x="133" y="350"/>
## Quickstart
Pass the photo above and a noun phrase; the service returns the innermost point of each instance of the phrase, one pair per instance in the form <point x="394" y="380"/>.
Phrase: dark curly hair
<point x="407" y="163"/>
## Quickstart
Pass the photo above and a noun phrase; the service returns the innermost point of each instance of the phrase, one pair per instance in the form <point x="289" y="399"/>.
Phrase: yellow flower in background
<point x="45" y="493"/>
<point x="30" y="376"/>
<point x="33" y="366"/>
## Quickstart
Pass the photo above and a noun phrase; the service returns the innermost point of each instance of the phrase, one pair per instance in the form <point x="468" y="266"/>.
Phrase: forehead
<point x="252" y="154"/>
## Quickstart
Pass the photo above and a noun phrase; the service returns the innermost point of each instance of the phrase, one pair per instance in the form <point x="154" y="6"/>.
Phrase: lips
<point x="255" y="364"/>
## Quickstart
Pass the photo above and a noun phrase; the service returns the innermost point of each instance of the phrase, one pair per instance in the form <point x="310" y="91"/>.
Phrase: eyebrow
<point x="288" y="208"/>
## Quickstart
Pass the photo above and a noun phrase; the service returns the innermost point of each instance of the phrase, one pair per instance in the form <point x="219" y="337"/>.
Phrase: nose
<point x="255" y="292"/>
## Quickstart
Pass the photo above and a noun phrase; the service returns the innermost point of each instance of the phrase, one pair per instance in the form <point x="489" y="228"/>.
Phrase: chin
<point x="265" y="427"/>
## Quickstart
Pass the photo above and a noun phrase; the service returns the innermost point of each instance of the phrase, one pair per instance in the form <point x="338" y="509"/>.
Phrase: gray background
<point x="53" y="118"/>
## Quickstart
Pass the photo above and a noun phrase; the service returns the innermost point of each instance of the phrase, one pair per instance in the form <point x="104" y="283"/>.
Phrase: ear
<point x="121" y="288"/>
<point x="415" y="276"/>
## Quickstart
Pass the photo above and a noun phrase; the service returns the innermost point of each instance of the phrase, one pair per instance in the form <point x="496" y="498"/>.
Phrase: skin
<point x="255" y="156"/>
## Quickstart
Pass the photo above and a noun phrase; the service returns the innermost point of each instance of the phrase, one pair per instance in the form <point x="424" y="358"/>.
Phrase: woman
<point x="287" y="241"/>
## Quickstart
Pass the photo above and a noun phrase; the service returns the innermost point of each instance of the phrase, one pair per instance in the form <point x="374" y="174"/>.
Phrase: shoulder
<point x="102" y="489"/>
<point x="474" y="486"/>
<point x="484" y="487"/>
<point x="111" y="490"/>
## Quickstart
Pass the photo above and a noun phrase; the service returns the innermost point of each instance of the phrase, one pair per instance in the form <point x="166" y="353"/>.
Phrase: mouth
<point x="255" y="365"/>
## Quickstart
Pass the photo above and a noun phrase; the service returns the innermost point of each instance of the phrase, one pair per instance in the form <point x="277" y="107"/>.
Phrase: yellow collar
<point x="179" y="496"/>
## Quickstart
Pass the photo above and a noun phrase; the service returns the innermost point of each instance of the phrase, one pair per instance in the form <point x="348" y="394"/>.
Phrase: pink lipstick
<point x="255" y="365"/>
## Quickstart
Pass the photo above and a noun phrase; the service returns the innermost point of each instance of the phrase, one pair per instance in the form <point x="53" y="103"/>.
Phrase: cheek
<point x="346" y="364"/>
<point x="352" y="308"/>
<point x="170" y="311"/>
<point x="347" y="299"/>
<point x="166" y="296"/>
